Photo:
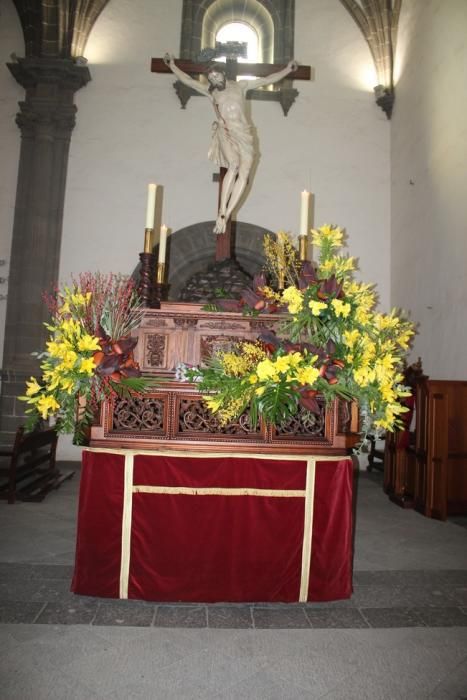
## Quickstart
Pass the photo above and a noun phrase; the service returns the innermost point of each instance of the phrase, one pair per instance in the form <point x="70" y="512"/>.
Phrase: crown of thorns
<point x="215" y="68"/>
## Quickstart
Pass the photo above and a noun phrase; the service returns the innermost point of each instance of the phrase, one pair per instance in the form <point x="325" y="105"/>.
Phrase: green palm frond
<point x="279" y="401"/>
<point x="132" y="385"/>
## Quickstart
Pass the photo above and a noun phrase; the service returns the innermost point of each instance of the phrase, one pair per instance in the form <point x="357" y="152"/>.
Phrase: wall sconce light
<point x="384" y="99"/>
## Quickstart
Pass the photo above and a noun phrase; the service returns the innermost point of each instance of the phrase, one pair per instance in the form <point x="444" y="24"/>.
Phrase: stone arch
<point x="272" y="19"/>
<point x="57" y="28"/>
<point x="191" y="250"/>
<point x="221" y="12"/>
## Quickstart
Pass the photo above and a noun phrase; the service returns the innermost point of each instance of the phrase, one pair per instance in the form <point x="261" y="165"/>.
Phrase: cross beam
<point x="234" y="69"/>
<point x="259" y="70"/>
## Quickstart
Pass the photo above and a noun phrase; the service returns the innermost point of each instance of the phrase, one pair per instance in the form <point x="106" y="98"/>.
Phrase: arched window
<point x="267" y="27"/>
<point x="272" y="20"/>
<point x="244" y="34"/>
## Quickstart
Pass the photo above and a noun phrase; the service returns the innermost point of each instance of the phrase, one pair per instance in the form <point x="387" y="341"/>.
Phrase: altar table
<point x="212" y="527"/>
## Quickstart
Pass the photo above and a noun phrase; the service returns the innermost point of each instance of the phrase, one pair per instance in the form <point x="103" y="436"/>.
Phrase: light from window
<point x="242" y="32"/>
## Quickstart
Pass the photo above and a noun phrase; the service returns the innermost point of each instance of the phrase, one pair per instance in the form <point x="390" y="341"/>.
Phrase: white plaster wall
<point x="131" y="131"/>
<point x="429" y="181"/>
<point x="11" y="40"/>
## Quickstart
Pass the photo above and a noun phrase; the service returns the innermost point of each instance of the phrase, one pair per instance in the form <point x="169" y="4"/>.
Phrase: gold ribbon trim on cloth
<point x="129" y="489"/>
<point x="217" y="491"/>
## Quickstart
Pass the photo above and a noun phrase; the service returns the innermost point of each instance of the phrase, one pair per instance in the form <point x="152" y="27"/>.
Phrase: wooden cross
<point x="233" y="69"/>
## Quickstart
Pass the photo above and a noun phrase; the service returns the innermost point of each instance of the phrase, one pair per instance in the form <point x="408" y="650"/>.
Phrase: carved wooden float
<point x="175" y="416"/>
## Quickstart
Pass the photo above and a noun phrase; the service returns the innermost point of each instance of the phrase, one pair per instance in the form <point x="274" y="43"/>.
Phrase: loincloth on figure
<point x="225" y="141"/>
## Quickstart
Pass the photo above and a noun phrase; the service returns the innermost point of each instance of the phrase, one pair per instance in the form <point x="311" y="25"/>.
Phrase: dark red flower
<point x="307" y="275"/>
<point x="330" y="288"/>
<point x="307" y="399"/>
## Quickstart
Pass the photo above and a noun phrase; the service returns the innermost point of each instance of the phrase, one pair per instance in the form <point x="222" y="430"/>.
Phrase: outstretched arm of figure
<point x="272" y="78"/>
<point x="183" y="77"/>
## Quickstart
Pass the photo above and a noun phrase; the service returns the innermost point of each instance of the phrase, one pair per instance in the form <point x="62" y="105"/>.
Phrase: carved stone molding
<point x="62" y="73"/>
<point x="46" y="121"/>
<point x="378" y="21"/>
<point x="48" y="111"/>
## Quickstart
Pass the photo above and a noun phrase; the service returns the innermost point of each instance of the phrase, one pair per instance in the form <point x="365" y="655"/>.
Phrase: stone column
<point x="46" y="120"/>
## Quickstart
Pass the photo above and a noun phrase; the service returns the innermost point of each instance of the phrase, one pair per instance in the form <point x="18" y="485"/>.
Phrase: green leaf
<point x="129" y="385"/>
<point x="211" y="307"/>
<point x="279" y="401"/>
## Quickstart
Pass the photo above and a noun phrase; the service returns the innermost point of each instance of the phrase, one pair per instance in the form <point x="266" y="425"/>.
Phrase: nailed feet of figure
<point x="220" y="224"/>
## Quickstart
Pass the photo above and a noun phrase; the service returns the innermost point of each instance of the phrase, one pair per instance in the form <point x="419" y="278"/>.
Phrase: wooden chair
<point x="375" y="456"/>
<point x="28" y="471"/>
<point x="400" y="446"/>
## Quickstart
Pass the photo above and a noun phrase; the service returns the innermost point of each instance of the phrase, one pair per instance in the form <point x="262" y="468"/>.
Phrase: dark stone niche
<point x="225" y="276"/>
<point x="193" y="273"/>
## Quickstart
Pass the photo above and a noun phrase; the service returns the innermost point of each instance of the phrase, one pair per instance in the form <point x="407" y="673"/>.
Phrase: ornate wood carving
<point x="155" y="350"/>
<point x="222" y="325"/>
<point x="139" y="414"/>
<point x="156" y="323"/>
<point x="256" y="325"/>
<point x="174" y="416"/>
<point x="304" y="423"/>
<point x="146" y="277"/>
<point x="211" y="344"/>
<point x="185" y="323"/>
<point x="344" y="416"/>
<point x="194" y="417"/>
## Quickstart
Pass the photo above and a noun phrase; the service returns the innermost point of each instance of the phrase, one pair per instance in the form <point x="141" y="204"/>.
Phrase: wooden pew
<point x="441" y="448"/>
<point x="400" y="445"/>
<point x="425" y="466"/>
<point x="28" y="470"/>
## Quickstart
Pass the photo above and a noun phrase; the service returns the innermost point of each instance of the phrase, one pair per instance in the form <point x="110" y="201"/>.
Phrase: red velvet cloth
<point x="99" y="535"/>
<point x="331" y="552"/>
<point x="209" y="548"/>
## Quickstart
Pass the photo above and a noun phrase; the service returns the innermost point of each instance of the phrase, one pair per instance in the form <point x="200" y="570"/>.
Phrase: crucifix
<point x="232" y="146"/>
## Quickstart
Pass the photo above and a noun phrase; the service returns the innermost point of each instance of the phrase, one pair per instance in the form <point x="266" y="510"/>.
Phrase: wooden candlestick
<point x="145" y="287"/>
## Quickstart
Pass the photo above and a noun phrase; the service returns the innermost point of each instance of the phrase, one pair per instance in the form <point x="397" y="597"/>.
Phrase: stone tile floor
<point x="40" y="594"/>
<point x="403" y="634"/>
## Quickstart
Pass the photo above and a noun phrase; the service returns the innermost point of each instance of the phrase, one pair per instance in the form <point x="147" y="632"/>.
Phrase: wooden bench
<point x="28" y="470"/>
<point x="375" y="455"/>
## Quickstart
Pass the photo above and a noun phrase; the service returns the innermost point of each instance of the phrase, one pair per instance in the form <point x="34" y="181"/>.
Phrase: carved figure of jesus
<point x="232" y="145"/>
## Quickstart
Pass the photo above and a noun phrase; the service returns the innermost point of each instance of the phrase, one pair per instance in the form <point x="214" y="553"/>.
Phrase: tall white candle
<point x="304" y="212"/>
<point x="151" y="206"/>
<point x="162" y="244"/>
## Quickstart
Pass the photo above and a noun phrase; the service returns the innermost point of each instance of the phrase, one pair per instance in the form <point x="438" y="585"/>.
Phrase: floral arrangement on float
<point x="89" y="354"/>
<point x="332" y="343"/>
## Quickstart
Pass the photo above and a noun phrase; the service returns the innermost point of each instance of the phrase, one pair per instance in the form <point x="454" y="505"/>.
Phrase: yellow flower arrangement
<point x="337" y="345"/>
<point x="82" y="356"/>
